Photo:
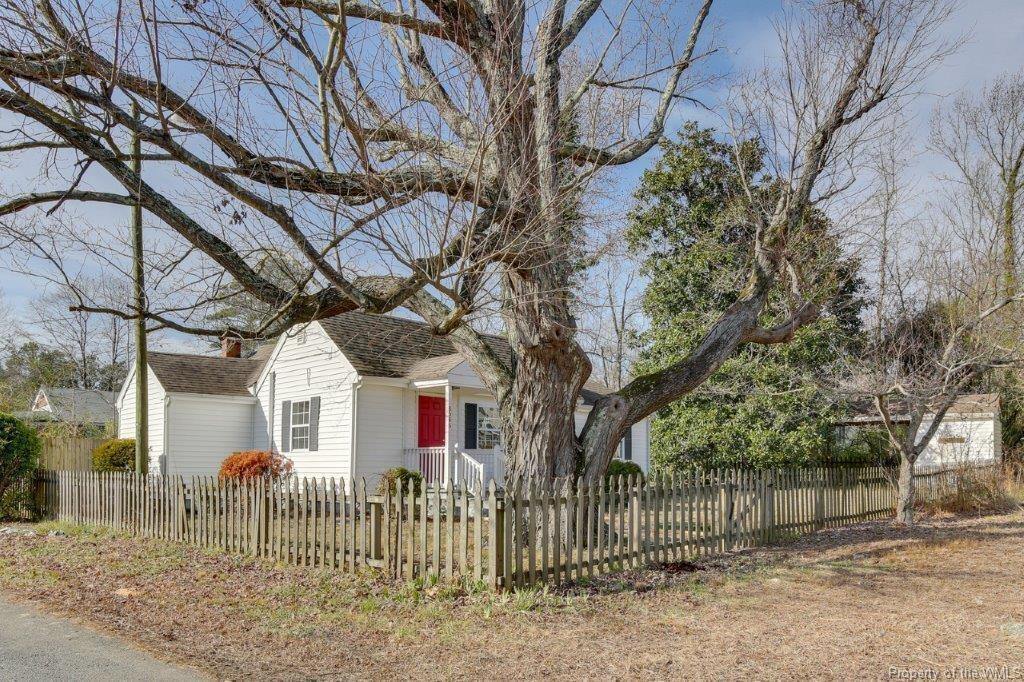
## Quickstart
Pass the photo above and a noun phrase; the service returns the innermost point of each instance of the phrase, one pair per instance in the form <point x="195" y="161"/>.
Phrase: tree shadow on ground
<point x="865" y="554"/>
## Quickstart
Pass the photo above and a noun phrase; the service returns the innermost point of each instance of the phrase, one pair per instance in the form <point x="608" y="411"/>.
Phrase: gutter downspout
<point x="355" y="431"/>
<point x="166" y="435"/>
<point x="271" y="410"/>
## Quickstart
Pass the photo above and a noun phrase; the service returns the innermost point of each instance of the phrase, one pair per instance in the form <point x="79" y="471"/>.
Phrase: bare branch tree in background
<point x="942" y="321"/>
<point x="614" y="314"/>
<point x="983" y="137"/>
<point x="422" y="154"/>
<point x="98" y="344"/>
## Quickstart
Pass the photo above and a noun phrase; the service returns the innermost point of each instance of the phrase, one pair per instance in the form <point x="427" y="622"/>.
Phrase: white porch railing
<point x="476" y="469"/>
<point x="473" y="470"/>
<point x="469" y="472"/>
<point x="428" y="461"/>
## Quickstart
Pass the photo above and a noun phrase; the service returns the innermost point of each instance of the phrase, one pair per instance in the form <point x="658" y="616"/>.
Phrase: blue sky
<point x="744" y="32"/>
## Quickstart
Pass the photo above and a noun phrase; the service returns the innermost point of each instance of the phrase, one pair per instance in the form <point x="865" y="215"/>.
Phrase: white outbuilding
<point x="969" y="434"/>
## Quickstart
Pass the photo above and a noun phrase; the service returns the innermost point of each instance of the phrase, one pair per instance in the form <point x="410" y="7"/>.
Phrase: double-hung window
<point x="488" y="428"/>
<point x="300" y="425"/>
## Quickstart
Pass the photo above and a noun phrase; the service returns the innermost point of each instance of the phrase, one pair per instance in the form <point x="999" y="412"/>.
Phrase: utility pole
<point x="141" y="363"/>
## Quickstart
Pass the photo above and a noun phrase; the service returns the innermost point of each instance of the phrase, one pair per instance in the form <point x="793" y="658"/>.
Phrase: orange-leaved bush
<point x="254" y="464"/>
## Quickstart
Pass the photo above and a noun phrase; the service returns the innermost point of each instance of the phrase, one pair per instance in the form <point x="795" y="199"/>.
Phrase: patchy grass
<point x="841" y="603"/>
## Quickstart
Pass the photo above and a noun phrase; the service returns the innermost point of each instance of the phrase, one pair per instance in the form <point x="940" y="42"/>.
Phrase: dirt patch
<point x="860" y="601"/>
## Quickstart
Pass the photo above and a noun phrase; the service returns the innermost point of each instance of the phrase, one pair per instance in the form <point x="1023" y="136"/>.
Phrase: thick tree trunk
<point x="905" y="492"/>
<point x="549" y="371"/>
<point x="549" y="367"/>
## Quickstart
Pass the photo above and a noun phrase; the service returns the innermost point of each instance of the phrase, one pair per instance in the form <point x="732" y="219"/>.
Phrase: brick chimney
<point x="230" y="347"/>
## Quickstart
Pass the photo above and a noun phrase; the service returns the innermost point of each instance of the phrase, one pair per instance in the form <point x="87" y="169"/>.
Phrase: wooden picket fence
<point x="69" y="453"/>
<point x="515" y="538"/>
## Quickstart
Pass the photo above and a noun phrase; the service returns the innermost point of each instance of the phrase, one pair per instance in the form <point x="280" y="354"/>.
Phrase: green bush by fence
<point x="19" y="452"/>
<point x="116" y="454"/>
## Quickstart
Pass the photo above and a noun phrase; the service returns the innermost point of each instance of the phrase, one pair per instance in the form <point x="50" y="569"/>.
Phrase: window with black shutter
<point x="314" y="423"/>
<point x="470" y="426"/>
<point x="286" y="426"/>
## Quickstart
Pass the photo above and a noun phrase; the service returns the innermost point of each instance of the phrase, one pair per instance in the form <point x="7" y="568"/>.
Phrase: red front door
<point x="431" y="433"/>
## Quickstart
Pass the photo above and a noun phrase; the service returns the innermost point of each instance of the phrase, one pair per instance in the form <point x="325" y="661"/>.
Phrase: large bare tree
<point x="429" y="154"/>
<point x="982" y="136"/>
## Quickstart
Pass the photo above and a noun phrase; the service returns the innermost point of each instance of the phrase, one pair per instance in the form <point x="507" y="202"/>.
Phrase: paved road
<point x="37" y="646"/>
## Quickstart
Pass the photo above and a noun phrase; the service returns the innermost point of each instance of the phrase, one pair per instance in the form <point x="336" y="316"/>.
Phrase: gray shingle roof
<point x="80" y="405"/>
<point x="376" y="345"/>
<point x="204" y="374"/>
<point x="864" y="411"/>
<point x="385" y="346"/>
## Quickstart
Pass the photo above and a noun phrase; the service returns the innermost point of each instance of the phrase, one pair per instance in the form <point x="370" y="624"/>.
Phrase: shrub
<point x="971" y="490"/>
<point x="19" y="454"/>
<point x="399" y="475"/>
<point x="117" y="454"/>
<point x="618" y="467"/>
<point x="254" y="464"/>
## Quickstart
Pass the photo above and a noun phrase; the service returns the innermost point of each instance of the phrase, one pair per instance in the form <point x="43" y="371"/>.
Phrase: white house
<point x="350" y="395"/>
<point x="969" y="434"/>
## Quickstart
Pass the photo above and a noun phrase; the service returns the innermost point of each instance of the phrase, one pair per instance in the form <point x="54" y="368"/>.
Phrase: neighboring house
<point x="970" y="432"/>
<point x="348" y="396"/>
<point x="83" y="409"/>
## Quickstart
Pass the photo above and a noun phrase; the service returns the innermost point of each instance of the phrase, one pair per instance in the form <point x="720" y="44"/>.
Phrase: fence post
<point x="375" y="527"/>
<point x="819" y="500"/>
<point x="496" y="514"/>
<point x="730" y="492"/>
<point x="263" y="520"/>
<point x="387" y="550"/>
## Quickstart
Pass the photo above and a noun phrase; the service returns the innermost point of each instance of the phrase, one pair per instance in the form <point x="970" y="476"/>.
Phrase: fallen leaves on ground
<point x="847" y="602"/>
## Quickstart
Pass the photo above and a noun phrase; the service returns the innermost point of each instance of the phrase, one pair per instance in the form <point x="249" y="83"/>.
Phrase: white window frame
<point x="489" y="414"/>
<point x="300" y="430"/>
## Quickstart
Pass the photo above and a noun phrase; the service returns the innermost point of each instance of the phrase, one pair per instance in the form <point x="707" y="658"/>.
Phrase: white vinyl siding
<point x="302" y="371"/>
<point x="641" y="444"/>
<point x="126" y="417"/>
<point x="203" y="430"/>
<point x="379" y="437"/>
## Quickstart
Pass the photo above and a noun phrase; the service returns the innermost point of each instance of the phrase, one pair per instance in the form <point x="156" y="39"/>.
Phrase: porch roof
<point x="433" y="368"/>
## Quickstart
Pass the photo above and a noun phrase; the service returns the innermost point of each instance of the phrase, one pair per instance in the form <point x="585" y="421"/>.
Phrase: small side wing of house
<point x="200" y="411"/>
<point x="970" y="434"/>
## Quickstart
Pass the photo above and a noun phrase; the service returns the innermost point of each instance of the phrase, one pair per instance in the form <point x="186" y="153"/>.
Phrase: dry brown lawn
<point x="860" y="602"/>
